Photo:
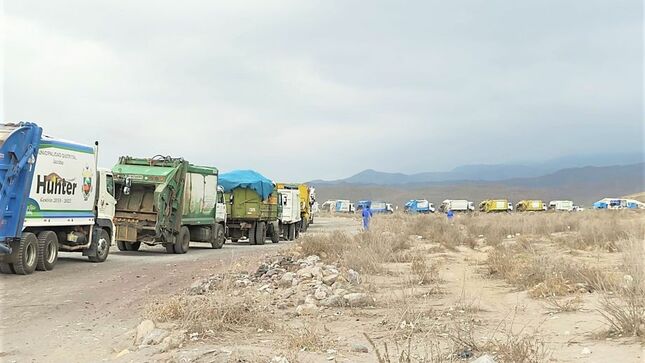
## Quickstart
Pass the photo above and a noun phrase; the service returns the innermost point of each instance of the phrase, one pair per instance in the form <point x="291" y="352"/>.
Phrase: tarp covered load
<point x="249" y="179"/>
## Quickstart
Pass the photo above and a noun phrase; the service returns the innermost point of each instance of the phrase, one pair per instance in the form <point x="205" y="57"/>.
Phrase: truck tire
<point x="6" y="268"/>
<point x="275" y="232"/>
<point x="291" y="232"/>
<point x="27" y="257"/>
<point x="170" y="247"/>
<point x="296" y="233"/>
<point x="252" y="233"/>
<point x="260" y="233"/>
<point x="121" y="246"/>
<point x="47" y="250"/>
<point x="132" y="246"/>
<point x="101" y="244"/>
<point x="182" y="244"/>
<point x="218" y="237"/>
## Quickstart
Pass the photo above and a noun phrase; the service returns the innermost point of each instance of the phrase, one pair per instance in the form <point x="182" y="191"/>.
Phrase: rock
<point x="358" y="299"/>
<point x="341" y="292"/>
<point x="266" y="287"/>
<point x="279" y="359"/>
<point x="306" y="309"/>
<point x="484" y="359"/>
<point x="317" y="272"/>
<point x="585" y="351"/>
<point x="353" y="277"/>
<point x="286" y="279"/>
<point x="330" y="279"/>
<point x="359" y="348"/>
<point x="199" y="287"/>
<point x="305" y="273"/>
<point x="311" y="260"/>
<point x="262" y="269"/>
<point x="242" y="283"/>
<point x="155" y="337"/>
<point x="123" y="352"/>
<point x="174" y="340"/>
<point x="288" y="293"/>
<point x="334" y="300"/>
<point x="144" y="328"/>
<point x="310" y="299"/>
<point x="322" y="292"/>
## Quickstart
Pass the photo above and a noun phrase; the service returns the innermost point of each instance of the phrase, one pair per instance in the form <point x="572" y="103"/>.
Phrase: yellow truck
<point x="530" y="206"/>
<point x="495" y="205"/>
<point x="307" y="200"/>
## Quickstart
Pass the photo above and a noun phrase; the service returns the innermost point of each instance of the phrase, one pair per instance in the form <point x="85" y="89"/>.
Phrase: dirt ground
<point x="78" y="311"/>
<point x="83" y="312"/>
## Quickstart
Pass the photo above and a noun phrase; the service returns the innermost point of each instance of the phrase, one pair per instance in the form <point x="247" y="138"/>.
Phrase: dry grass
<point x="564" y="305"/>
<point x="309" y="338"/>
<point x="623" y="305"/>
<point x="426" y="273"/>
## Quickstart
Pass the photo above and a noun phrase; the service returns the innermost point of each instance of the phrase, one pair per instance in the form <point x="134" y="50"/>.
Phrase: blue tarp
<point x="246" y="179"/>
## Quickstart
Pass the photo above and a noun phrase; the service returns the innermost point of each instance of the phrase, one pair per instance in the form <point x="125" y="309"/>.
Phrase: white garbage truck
<point x="289" y="214"/>
<point x="53" y="198"/>
<point x="457" y="205"/>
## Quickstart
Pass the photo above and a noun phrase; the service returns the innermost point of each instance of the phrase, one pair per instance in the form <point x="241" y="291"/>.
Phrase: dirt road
<point x="77" y="311"/>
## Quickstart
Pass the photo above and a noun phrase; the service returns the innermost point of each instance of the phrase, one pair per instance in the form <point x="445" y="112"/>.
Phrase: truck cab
<point x="289" y="216"/>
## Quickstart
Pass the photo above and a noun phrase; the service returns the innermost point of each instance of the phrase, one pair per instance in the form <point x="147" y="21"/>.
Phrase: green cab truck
<point x="252" y="207"/>
<point x="167" y="201"/>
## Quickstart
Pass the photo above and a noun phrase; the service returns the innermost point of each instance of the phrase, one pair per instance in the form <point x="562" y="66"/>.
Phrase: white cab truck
<point x="457" y="205"/>
<point x="289" y="216"/>
<point x="53" y="198"/>
<point x="561" y="205"/>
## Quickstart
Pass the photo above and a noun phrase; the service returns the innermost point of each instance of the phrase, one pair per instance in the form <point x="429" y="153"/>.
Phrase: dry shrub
<point x="623" y="305"/>
<point x="308" y="338"/>
<point x="425" y="273"/>
<point x="564" y="305"/>
<point x="410" y="351"/>
<point x="210" y="314"/>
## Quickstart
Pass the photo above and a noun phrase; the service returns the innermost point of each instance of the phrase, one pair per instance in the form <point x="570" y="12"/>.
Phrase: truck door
<point x="220" y="207"/>
<point x="106" y="202"/>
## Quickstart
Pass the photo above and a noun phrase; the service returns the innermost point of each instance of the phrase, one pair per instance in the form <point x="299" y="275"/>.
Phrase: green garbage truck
<point x="251" y="207"/>
<point x="167" y="201"/>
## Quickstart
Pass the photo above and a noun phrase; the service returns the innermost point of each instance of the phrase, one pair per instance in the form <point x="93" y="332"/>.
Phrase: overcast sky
<point x="323" y="89"/>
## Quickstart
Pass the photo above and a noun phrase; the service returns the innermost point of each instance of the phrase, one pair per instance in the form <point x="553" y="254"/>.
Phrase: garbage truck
<point x="495" y="205"/>
<point x="252" y="207"/>
<point x="530" y="206"/>
<point x="290" y="216"/>
<point x="415" y="206"/>
<point x="167" y="201"/>
<point x="456" y="205"/>
<point x="53" y="198"/>
<point x="561" y="205"/>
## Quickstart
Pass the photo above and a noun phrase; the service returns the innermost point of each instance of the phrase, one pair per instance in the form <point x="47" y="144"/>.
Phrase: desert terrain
<point x="531" y="287"/>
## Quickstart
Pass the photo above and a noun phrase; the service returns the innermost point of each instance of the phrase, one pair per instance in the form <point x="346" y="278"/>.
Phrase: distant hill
<point x="494" y="172"/>
<point x="584" y="185"/>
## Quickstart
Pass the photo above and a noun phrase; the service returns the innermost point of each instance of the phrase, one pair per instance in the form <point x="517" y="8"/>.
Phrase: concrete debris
<point x="484" y="359"/>
<point x="144" y="328"/>
<point x="353" y="277"/>
<point x="359" y="348"/>
<point x="155" y="337"/>
<point x="358" y="299"/>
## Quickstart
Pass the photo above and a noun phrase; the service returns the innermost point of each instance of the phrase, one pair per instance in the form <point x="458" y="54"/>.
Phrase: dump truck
<point x="530" y="206"/>
<point x="561" y="205"/>
<point x="456" y="205"/>
<point x="290" y="216"/>
<point x="252" y="207"/>
<point x="414" y="206"/>
<point x="53" y="198"/>
<point x="167" y="201"/>
<point x="495" y="205"/>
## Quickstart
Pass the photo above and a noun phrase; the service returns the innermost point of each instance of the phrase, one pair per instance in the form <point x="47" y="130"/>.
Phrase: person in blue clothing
<point x="367" y="214"/>
<point x="450" y="214"/>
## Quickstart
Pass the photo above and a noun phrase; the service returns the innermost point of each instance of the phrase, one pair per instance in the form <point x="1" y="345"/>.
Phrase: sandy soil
<point x="79" y="311"/>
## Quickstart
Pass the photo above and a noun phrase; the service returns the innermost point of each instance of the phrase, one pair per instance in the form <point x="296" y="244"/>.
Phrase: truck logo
<point x="55" y="184"/>
<point x="87" y="182"/>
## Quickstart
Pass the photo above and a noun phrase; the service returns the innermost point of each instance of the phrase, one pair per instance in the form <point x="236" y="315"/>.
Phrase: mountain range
<point x="583" y="184"/>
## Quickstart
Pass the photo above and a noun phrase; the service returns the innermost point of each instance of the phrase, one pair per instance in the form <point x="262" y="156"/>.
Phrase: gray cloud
<point x="396" y="86"/>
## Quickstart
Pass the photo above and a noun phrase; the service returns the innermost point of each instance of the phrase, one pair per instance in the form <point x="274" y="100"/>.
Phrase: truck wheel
<point x="291" y="232"/>
<point x="275" y="233"/>
<point x="101" y="244"/>
<point x="260" y="233"/>
<point x="252" y="233"/>
<point x="47" y="250"/>
<point x="218" y="237"/>
<point x="296" y="233"/>
<point x="183" y="240"/>
<point x="170" y="248"/>
<point x="27" y="256"/>
<point x="121" y="246"/>
<point x="6" y="268"/>
<point x="134" y="246"/>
